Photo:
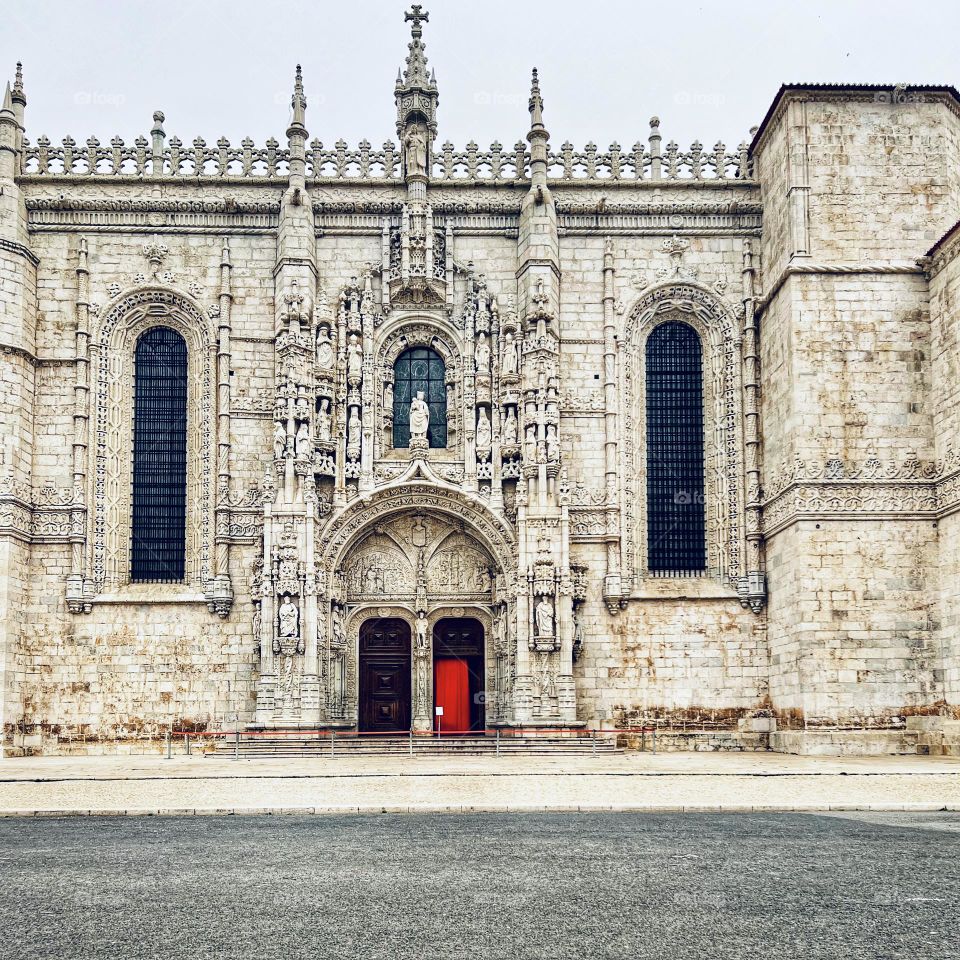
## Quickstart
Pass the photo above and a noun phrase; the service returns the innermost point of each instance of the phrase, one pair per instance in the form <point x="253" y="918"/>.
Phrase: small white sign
<point x="439" y="711"/>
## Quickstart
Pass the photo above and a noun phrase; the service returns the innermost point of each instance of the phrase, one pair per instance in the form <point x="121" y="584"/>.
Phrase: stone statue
<point x="339" y="635"/>
<point x="388" y="397"/>
<point x="354" y="359"/>
<point x="422" y="639"/>
<point x="419" y="416"/>
<point x="510" y="428"/>
<point x="416" y="144"/>
<point x="325" y="356"/>
<point x="353" y="433"/>
<point x="482" y="354"/>
<point x="304" y="446"/>
<point x="553" y="445"/>
<point x="289" y="618"/>
<point x="323" y="420"/>
<point x="530" y="444"/>
<point x="279" y="441"/>
<point x="483" y="431"/>
<point x="544" y="616"/>
<point x="509" y="365"/>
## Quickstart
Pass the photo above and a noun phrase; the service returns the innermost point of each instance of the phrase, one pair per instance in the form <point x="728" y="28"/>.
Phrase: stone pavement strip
<point x="59" y="786"/>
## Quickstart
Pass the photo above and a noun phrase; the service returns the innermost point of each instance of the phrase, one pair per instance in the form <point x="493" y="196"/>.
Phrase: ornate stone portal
<point x="355" y="528"/>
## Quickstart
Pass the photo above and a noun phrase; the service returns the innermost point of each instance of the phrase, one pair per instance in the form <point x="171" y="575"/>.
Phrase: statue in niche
<point x="416" y="144"/>
<point x="510" y="428"/>
<point x="339" y="639"/>
<point x="323" y="420"/>
<point x="577" y="634"/>
<point x="423" y="641"/>
<point x="354" y="359"/>
<point x="388" y="396"/>
<point x="353" y="434"/>
<point x="289" y="618"/>
<point x="552" y="444"/>
<point x="482" y="353"/>
<point x="304" y="446"/>
<point x="325" y="355"/>
<point x="544" y="617"/>
<point x="530" y="444"/>
<point x="509" y="365"/>
<point x="484" y="432"/>
<point x="279" y="441"/>
<point x="419" y="417"/>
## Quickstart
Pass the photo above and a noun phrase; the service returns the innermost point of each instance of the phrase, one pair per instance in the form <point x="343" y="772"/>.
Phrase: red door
<point x="451" y="685"/>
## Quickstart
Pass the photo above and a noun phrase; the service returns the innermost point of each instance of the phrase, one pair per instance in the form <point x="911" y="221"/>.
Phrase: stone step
<point x="293" y="745"/>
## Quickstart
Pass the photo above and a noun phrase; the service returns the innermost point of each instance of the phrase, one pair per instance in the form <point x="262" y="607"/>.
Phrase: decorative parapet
<point x="173" y="159"/>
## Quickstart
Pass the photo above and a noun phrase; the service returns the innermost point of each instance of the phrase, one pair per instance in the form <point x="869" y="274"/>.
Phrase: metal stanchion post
<point x="186" y="743"/>
<point x="332" y="737"/>
<point x="411" y="741"/>
<point x="169" y="746"/>
<point x="654" y="739"/>
<point x="236" y="744"/>
<point x="594" y="742"/>
<point x="498" y="741"/>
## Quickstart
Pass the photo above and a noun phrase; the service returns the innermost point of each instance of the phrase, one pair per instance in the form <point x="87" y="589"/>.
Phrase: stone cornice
<point x="804" y="267"/>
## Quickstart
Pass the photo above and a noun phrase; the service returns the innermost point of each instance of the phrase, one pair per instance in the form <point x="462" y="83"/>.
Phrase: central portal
<point x="384" y="675"/>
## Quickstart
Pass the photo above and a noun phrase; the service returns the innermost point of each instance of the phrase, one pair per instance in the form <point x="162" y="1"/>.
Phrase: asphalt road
<point x="512" y="886"/>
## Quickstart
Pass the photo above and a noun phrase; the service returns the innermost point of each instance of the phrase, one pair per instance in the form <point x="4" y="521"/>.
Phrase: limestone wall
<point x="857" y="187"/>
<point x="945" y="356"/>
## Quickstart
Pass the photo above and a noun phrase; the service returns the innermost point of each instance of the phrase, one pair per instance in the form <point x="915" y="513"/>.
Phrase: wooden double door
<point x="384" y="675"/>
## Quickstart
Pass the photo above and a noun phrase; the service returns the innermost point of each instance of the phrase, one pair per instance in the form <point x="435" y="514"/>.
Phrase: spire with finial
<point x="538" y="135"/>
<point x="7" y="102"/>
<point x="299" y="104"/>
<point x="536" y="102"/>
<point x="416" y="88"/>
<point x="18" y="95"/>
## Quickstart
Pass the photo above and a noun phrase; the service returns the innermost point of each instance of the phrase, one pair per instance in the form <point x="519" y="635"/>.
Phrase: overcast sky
<point x="216" y="68"/>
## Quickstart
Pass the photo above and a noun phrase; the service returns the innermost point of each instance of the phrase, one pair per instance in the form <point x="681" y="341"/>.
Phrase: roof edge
<point x="788" y="88"/>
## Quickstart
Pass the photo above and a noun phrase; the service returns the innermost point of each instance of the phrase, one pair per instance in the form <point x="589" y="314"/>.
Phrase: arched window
<point x="159" y="457"/>
<point x="676" y="515"/>
<point x="419" y="370"/>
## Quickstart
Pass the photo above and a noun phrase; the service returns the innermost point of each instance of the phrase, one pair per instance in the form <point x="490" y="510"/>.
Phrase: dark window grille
<point x="676" y="514"/>
<point x="159" y="457"/>
<point x="419" y="369"/>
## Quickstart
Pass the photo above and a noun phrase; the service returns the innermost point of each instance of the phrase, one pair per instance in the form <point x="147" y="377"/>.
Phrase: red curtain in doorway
<point x="451" y="690"/>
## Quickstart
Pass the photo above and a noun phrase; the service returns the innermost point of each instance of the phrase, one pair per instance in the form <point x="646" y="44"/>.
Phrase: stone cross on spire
<point x="417" y="17"/>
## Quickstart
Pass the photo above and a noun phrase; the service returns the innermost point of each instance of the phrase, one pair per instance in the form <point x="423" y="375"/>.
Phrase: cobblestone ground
<point x="512" y="886"/>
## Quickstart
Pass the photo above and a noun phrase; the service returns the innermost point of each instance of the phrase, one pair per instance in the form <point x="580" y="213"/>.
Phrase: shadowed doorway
<point x="384" y="675"/>
<point x="458" y="674"/>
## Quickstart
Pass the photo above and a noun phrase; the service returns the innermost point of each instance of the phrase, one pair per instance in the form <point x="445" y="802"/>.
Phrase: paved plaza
<point x="625" y="782"/>
<point x="511" y="885"/>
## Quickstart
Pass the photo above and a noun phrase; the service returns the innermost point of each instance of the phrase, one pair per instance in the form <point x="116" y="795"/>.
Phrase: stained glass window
<point x="419" y="370"/>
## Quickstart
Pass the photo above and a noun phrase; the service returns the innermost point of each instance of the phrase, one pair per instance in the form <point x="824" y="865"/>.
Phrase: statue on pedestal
<point x="419" y="418"/>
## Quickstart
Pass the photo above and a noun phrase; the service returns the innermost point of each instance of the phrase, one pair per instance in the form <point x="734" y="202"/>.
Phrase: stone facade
<point x="816" y="264"/>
